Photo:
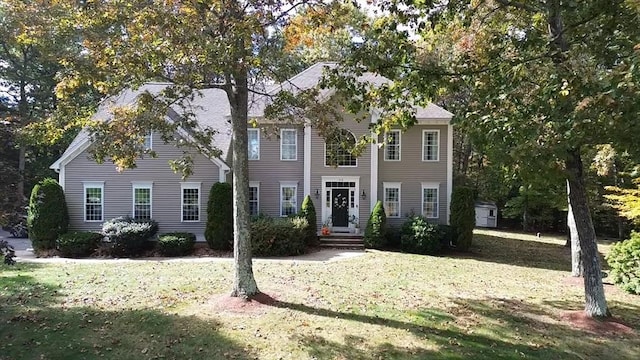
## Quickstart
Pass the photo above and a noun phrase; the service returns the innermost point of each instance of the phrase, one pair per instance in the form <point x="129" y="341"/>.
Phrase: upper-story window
<point x="430" y="145"/>
<point x="288" y="144"/>
<point x="338" y="149"/>
<point x="253" y="142"/>
<point x="392" y="146"/>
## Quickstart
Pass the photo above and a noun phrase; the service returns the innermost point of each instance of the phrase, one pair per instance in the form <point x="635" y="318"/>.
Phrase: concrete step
<point x="337" y="240"/>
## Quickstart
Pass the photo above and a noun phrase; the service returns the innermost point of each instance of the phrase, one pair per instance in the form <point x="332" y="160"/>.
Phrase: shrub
<point x="47" y="216"/>
<point x="278" y="237"/>
<point x="7" y="252"/>
<point x="127" y="236"/>
<point x="624" y="261"/>
<point x="421" y="237"/>
<point x="78" y="243"/>
<point x="308" y="211"/>
<point x="176" y="244"/>
<point x="463" y="216"/>
<point x="393" y="237"/>
<point x="219" y="230"/>
<point x="375" y="232"/>
<point x="447" y="235"/>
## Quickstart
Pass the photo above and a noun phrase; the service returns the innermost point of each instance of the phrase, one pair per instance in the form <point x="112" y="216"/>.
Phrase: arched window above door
<point x="338" y="147"/>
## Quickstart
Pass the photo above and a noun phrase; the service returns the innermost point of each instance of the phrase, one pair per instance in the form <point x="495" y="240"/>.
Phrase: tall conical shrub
<point x="47" y="215"/>
<point x="463" y="216"/>
<point x="375" y="232"/>
<point x="219" y="230"/>
<point x="308" y="211"/>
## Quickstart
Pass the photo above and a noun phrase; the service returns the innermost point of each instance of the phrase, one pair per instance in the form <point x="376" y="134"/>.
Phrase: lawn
<point x="511" y="299"/>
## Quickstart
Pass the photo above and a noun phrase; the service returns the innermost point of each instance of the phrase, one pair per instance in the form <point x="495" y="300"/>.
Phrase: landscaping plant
<point x="308" y="211"/>
<point x="375" y="232"/>
<point x="420" y="236"/>
<point x="463" y="216"/>
<point x="47" y="216"/>
<point x="278" y="237"/>
<point x="176" y="244"/>
<point x="127" y="236"/>
<point x="78" y="243"/>
<point x="624" y="261"/>
<point x="219" y="230"/>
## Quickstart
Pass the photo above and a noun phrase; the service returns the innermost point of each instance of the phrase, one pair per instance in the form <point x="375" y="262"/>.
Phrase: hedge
<point x="176" y="244"/>
<point x="127" y="236"/>
<point x="278" y="237"/>
<point x="78" y="243"/>
<point x="47" y="215"/>
<point x="219" y="230"/>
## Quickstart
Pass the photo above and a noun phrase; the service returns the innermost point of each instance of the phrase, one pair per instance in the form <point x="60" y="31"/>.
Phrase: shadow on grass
<point x="37" y="324"/>
<point x="504" y="250"/>
<point x="508" y="329"/>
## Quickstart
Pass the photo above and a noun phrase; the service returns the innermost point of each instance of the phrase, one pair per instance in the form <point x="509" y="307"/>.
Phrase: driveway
<point x="22" y="247"/>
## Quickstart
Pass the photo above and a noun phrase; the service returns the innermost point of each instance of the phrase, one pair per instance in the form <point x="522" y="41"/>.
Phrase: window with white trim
<point x="253" y="142"/>
<point x="148" y="141"/>
<point x="190" y="201"/>
<point x="430" y="145"/>
<point x="430" y="200"/>
<point x="392" y="146"/>
<point x="338" y="147"/>
<point x="288" y="144"/>
<point x="142" y="193"/>
<point x="93" y="201"/>
<point x="391" y="198"/>
<point x="288" y="198"/>
<point x="254" y="198"/>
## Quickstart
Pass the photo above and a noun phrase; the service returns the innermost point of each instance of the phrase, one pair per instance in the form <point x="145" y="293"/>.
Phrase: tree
<point x="463" y="216"/>
<point x="547" y="81"/>
<point x="193" y="45"/>
<point x="47" y="216"/>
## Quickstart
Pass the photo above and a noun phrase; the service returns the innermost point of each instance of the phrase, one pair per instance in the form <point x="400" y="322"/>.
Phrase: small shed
<point x="486" y="214"/>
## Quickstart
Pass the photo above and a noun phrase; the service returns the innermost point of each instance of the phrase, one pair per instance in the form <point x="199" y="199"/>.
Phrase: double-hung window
<point x="142" y="194"/>
<point x="430" y="200"/>
<point x="289" y="144"/>
<point x="392" y="146"/>
<point x="93" y="201"/>
<point x="430" y="145"/>
<point x="190" y="201"/>
<point x="288" y="198"/>
<point x="253" y="142"/>
<point x="391" y="199"/>
<point x="254" y="198"/>
<point x="148" y="141"/>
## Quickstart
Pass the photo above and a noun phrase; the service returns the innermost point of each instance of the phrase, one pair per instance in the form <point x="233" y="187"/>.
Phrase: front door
<point x="340" y="207"/>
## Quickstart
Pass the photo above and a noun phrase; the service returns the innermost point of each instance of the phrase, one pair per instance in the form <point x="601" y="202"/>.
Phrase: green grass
<point x="504" y="300"/>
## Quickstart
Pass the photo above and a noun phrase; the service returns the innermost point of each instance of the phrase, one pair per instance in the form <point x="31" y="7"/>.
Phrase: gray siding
<point x="269" y="171"/>
<point x="362" y="170"/>
<point x="411" y="171"/>
<point x="166" y="191"/>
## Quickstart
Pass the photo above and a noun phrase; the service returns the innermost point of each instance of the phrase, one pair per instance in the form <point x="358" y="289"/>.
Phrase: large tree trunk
<point x="596" y="303"/>
<point x="576" y="260"/>
<point x="244" y="284"/>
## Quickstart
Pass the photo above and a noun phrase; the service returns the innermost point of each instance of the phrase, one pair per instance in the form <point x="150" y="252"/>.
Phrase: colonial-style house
<point x="411" y="174"/>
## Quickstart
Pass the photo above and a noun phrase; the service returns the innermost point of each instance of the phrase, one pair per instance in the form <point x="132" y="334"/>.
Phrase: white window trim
<point x="340" y="166"/>
<point x="399" y="145"/>
<point x="92" y="185"/>
<point x="141" y="185"/>
<point x="295" y="138"/>
<point x="437" y="132"/>
<point x="288" y="184"/>
<point x="393" y="185"/>
<point x="256" y="184"/>
<point x="150" y="135"/>
<point x="190" y="185"/>
<point x="248" y="144"/>
<point x="436" y="187"/>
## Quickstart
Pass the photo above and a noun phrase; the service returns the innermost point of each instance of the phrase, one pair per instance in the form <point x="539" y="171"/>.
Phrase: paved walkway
<point x="24" y="253"/>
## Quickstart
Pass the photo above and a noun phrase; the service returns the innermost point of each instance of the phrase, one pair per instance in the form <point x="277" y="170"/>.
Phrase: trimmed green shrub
<point x="624" y="261"/>
<point x="375" y="232"/>
<point x="463" y="216"/>
<point x="78" y="243"/>
<point x="127" y="236"/>
<point x="278" y="237"/>
<point x="176" y="244"/>
<point x="447" y="235"/>
<point x="420" y="236"/>
<point x="308" y="211"/>
<point x="393" y="237"/>
<point x="219" y="230"/>
<point x="47" y="216"/>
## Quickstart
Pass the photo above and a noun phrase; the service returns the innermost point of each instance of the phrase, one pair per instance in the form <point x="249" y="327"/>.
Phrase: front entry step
<point x="342" y="240"/>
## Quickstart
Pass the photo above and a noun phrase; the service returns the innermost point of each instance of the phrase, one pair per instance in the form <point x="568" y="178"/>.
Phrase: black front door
<point x="340" y="207"/>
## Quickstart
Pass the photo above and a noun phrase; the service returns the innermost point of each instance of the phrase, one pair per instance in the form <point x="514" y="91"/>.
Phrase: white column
<point x="307" y="160"/>
<point x="373" y="197"/>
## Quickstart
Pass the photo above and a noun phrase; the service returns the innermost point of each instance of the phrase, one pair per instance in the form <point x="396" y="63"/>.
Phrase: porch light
<point x="317" y="194"/>
<point x="363" y="196"/>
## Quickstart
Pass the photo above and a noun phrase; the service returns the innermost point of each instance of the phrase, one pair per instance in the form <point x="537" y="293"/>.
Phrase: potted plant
<point x="326" y="228"/>
<point x="354" y="224"/>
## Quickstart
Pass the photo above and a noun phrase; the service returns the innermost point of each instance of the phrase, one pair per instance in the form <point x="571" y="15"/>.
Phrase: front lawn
<point x="510" y="299"/>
